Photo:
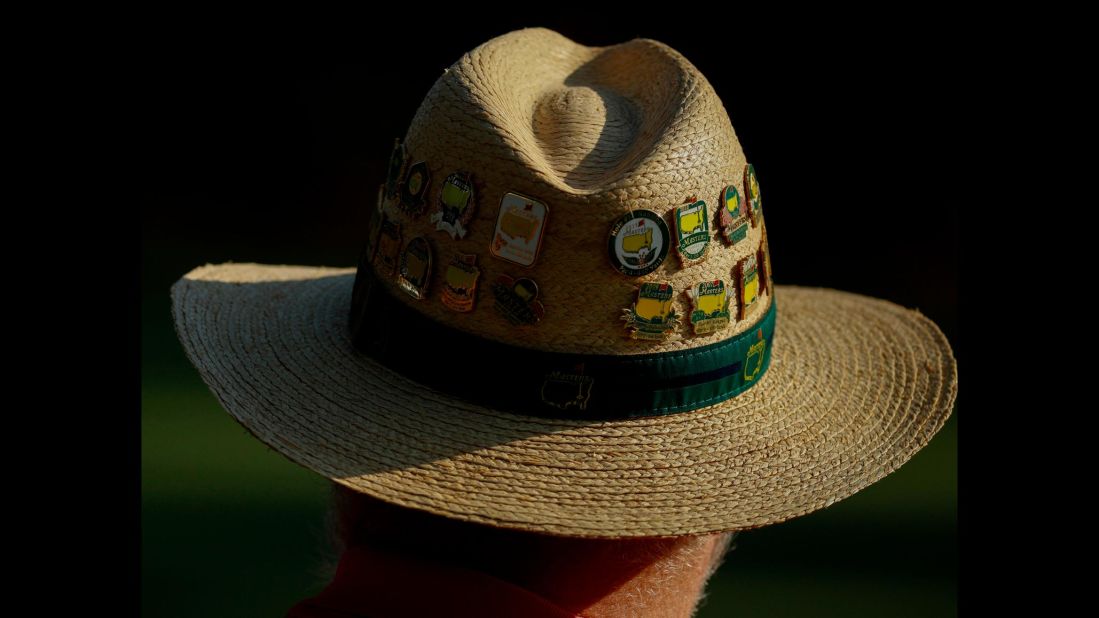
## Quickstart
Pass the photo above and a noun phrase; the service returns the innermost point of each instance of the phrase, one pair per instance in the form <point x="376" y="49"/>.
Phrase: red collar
<point x="375" y="584"/>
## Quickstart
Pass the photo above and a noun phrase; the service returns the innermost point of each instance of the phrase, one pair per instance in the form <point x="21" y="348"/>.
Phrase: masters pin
<point x="414" y="270"/>
<point x="460" y="284"/>
<point x="517" y="300"/>
<point x="732" y="217"/>
<point x="653" y="316"/>
<point x="692" y="230"/>
<point x="638" y="242"/>
<point x="747" y="285"/>
<point x="519" y="228"/>
<point x="711" y="307"/>
<point x="455" y="205"/>
<point x="751" y="189"/>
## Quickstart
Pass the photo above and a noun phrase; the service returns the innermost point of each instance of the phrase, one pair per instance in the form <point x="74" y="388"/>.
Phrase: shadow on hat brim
<point x="856" y="386"/>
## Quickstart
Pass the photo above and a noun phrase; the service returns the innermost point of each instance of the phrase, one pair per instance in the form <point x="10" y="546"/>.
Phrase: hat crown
<point x="578" y="120"/>
<point x="589" y="134"/>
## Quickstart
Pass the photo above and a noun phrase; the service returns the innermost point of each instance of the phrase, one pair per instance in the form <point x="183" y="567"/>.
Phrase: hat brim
<point x="855" y="387"/>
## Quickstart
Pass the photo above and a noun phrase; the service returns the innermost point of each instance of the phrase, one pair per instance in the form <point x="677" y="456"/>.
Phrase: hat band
<point x="553" y="384"/>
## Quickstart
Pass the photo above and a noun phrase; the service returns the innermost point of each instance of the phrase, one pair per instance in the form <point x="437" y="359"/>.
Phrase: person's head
<point x="596" y="577"/>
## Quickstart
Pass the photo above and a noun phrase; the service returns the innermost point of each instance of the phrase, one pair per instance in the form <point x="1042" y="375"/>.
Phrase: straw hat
<point x="564" y="319"/>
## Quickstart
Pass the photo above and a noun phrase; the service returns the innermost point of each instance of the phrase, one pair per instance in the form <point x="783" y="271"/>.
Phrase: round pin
<point x="639" y="242"/>
<point x="517" y="300"/>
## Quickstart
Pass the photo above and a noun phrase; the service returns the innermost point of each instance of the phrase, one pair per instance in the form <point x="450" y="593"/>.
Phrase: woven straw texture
<point x="856" y="386"/>
<point x="592" y="132"/>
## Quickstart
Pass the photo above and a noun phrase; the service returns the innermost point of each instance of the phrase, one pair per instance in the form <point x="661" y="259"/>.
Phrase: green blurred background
<point x="274" y="158"/>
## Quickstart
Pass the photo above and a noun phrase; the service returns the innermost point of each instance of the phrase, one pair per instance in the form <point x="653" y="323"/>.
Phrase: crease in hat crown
<point x="592" y="132"/>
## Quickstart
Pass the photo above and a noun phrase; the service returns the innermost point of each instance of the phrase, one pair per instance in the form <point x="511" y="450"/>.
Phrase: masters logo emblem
<point x="638" y="243"/>
<point x="692" y="230"/>
<point x="564" y="390"/>
<point x="652" y="317"/>
<point x="753" y="362"/>
<point x="455" y="205"/>
<point x="711" y="307"/>
<point x="460" y="287"/>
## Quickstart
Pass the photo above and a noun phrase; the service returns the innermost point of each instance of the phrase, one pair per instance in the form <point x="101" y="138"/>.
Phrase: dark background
<point x="270" y="149"/>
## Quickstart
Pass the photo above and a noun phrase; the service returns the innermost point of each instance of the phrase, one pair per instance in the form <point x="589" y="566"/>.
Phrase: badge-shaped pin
<point x="460" y="286"/>
<point x="768" y="279"/>
<point x="455" y="205"/>
<point x="747" y="285"/>
<point x="711" y="307"/>
<point x="414" y="270"/>
<point x="653" y="316"/>
<point x="763" y="258"/>
<point x="692" y="230"/>
<point x="414" y="189"/>
<point x="638" y="242"/>
<point x="733" y="217"/>
<point x="519" y="227"/>
<point x="517" y="300"/>
<point x="393" y="176"/>
<point x="389" y="246"/>
<point x="751" y="191"/>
